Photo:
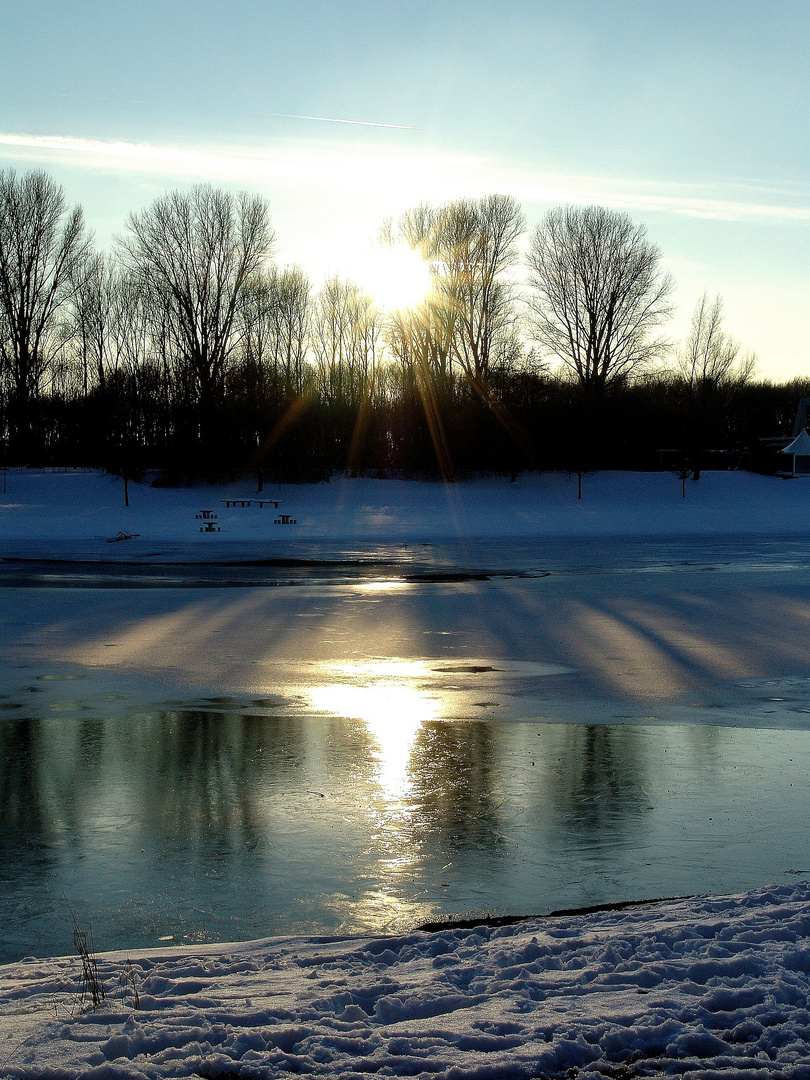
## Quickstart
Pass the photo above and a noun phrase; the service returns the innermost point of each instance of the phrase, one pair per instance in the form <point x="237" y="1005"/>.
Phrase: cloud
<point x="397" y="177"/>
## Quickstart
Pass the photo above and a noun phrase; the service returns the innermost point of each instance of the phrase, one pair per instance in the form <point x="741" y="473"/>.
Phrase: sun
<point x="397" y="278"/>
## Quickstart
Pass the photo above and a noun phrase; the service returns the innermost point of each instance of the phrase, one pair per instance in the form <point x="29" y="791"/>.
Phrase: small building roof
<point x="800" y="445"/>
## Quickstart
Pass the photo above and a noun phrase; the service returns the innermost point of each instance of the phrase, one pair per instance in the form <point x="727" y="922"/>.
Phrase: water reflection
<point x="455" y="774"/>
<point x="599" y="779"/>
<point x="193" y="775"/>
<point x="189" y="826"/>
<point x="24" y="820"/>
<point x="392" y="713"/>
<point x="398" y="698"/>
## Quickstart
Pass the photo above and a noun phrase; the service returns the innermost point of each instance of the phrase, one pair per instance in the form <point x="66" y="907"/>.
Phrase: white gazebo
<point x="800" y="451"/>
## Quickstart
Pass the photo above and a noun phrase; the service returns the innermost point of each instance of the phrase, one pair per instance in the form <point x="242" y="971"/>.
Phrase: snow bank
<point x="693" y="989"/>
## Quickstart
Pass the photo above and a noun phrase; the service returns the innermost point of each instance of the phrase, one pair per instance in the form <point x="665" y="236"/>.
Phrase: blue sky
<point x="691" y="116"/>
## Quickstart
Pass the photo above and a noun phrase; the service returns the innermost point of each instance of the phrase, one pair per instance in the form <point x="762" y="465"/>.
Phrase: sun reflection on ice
<point x="381" y="696"/>
<point x="385" y="585"/>
<point x="388" y="669"/>
<point x="392" y="714"/>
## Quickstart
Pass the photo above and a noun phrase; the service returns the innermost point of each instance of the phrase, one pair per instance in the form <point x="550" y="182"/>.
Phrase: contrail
<point x="338" y="120"/>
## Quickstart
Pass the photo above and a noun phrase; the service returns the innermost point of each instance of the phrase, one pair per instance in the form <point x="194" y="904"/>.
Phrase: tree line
<point x="187" y="349"/>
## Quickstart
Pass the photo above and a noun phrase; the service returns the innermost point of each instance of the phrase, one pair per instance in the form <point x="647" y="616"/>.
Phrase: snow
<point x="691" y="988"/>
<point x="694" y="988"/>
<point x="89" y="507"/>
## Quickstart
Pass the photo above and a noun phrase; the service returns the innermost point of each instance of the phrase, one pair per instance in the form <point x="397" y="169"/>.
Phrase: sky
<point x="690" y="115"/>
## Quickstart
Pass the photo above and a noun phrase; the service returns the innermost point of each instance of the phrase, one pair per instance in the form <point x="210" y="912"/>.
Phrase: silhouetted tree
<point x="88" y="327"/>
<point x="43" y="251"/>
<point x="274" y="326"/>
<point x="468" y="317"/>
<point x="714" y="371"/>
<point x="192" y="353"/>
<point x="469" y="314"/>
<point x="475" y="248"/>
<point x="345" y="342"/>
<point x="290" y="310"/>
<point x="710" y="359"/>
<point x="597" y="294"/>
<point x="193" y="255"/>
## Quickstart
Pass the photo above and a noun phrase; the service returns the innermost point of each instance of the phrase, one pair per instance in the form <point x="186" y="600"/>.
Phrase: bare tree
<point x="291" y="294"/>
<point x="274" y="328"/>
<point x="346" y="342"/>
<point x="43" y="249"/>
<point x="89" y="324"/>
<point x="597" y="294"/>
<point x="420" y="340"/>
<point x="421" y="336"/>
<point x="469" y="313"/>
<point x="713" y="370"/>
<point x="468" y="317"/>
<point x="131" y="333"/>
<point x="475" y="247"/>
<point x="710" y="359"/>
<point x="193" y="255"/>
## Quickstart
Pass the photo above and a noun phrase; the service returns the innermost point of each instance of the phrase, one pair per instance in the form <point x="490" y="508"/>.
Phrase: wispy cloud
<point x="399" y="176"/>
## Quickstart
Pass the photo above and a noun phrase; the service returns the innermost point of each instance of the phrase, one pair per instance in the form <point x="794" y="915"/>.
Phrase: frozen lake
<point x="404" y="734"/>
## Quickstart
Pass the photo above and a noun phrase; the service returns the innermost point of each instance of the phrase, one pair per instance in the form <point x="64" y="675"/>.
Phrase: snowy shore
<point x="696" y="988"/>
<point x="702" y="988"/>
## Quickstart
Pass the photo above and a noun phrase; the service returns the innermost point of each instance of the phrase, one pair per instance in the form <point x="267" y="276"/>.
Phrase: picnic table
<point x="210" y="519"/>
<point x="249" y="502"/>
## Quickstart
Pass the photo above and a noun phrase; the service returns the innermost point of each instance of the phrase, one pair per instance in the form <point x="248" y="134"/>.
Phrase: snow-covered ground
<point x="701" y="988"/>
<point x="65" y="508"/>
<point x="695" y="988"/>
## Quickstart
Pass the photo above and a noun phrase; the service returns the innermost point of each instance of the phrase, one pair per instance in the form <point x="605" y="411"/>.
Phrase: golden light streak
<point x="387" y="585"/>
